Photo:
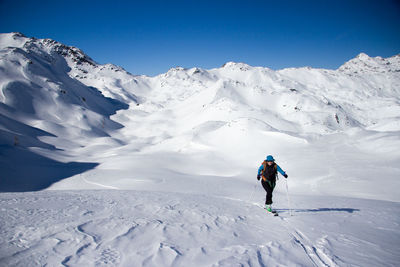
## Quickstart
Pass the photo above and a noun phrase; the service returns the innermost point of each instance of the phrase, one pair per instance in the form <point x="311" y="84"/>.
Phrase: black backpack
<point x="269" y="173"/>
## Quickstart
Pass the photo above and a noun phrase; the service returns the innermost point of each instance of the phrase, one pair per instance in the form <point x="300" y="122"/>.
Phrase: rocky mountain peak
<point x="363" y="63"/>
<point x="236" y="66"/>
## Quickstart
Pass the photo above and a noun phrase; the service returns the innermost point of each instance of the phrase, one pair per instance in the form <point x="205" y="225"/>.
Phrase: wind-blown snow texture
<point x="187" y="144"/>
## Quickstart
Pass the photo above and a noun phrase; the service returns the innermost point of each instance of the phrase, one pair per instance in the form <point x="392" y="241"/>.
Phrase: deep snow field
<point x="100" y="167"/>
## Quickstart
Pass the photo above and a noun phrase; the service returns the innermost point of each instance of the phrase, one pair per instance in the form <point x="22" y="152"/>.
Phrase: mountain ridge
<point x="79" y="56"/>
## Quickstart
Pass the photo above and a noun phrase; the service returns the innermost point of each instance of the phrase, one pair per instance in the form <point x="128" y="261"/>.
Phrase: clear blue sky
<point x="150" y="37"/>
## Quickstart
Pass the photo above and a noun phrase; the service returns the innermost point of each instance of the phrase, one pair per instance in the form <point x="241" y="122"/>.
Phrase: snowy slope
<point x="188" y="144"/>
<point x="133" y="228"/>
<point x="40" y="99"/>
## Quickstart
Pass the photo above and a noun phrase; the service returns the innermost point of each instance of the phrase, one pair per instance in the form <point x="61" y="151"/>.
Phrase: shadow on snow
<point x="348" y="210"/>
<point x="23" y="170"/>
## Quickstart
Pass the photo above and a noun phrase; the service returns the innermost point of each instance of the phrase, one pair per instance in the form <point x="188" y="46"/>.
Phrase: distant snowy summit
<point x="237" y="66"/>
<point x="18" y="40"/>
<point x="364" y="64"/>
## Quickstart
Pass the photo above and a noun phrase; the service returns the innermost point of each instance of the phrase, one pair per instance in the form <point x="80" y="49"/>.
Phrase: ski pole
<point x="288" y="199"/>
<point x="252" y="194"/>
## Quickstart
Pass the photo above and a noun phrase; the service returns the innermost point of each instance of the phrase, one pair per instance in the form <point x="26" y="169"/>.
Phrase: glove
<point x="258" y="177"/>
<point x="286" y="176"/>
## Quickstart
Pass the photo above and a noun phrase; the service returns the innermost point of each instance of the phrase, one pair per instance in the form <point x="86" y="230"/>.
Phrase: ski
<point x="273" y="213"/>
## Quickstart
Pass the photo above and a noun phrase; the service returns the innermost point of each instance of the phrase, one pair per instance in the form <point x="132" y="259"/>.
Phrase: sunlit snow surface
<point x="135" y="228"/>
<point x="161" y="171"/>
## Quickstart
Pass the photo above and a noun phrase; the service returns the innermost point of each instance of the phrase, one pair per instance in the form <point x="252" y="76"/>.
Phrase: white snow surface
<point x="138" y="228"/>
<point x="100" y="167"/>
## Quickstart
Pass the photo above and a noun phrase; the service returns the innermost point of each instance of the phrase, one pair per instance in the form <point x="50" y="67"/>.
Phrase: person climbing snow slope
<point x="268" y="171"/>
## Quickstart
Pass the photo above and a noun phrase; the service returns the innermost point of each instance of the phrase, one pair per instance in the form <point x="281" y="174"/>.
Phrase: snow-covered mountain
<point x="67" y="122"/>
<point x="59" y="103"/>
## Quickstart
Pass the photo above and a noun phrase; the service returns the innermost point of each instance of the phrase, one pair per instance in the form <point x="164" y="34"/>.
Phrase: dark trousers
<point x="269" y="187"/>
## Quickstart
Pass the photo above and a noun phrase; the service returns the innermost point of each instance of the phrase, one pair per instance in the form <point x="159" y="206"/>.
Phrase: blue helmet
<point x="270" y="158"/>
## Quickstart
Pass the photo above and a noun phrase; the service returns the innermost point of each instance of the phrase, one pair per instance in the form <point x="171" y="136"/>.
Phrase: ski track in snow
<point x="98" y="184"/>
<point x="316" y="254"/>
